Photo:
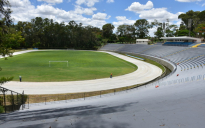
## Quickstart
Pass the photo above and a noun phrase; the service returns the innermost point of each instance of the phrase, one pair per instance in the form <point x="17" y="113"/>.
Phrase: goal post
<point x="57" y="61"/>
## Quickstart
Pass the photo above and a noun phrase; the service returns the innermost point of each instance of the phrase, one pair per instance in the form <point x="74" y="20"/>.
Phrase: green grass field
<point x="82" y="65"/>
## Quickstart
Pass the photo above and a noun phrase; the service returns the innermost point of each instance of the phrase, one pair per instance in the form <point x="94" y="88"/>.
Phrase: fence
<point x="11" y="101"/>
<point x="45" y="99"/>
<point x="48" y="100"/>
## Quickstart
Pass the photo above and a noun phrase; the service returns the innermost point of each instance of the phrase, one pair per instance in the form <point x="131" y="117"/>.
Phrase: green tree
<point x="201" y="30"/>
<point x="44" y="33"/>
<point x="142" y="26"/>
<point x="201" y="16"/>
<point x="15" y="40"/>
<point x="159" y="33"/>
<point x="184" y="33"/>
<point x="190" y="15"/>
<point x="5" y="22"/>
<point x="107" y="30"/>
<point x="182" y="26"/>
<point x="128" y="33"/>
<point x="170" y="30"/>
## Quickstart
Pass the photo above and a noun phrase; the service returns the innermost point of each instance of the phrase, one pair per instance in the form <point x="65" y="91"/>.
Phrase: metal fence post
<point x="17" y="99"/>
<point x="45" y="100"/>
<point x="84" y="96"/>
<point x="22" y="99"/>
<point x="4" y="99"/>
<point x="12" y="98"/>
<point x="28" y="102"/>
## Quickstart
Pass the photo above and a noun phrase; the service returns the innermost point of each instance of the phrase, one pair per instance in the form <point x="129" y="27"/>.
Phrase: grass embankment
<point x="151" y="62"/>
<point x="82" y="65"/>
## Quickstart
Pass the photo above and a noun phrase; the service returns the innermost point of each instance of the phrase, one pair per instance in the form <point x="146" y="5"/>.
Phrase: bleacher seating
<point x="178" y="43"/>
<point x="202" y="46"/>
<point x="188" y="58"/>
<point x="111" y="47"/>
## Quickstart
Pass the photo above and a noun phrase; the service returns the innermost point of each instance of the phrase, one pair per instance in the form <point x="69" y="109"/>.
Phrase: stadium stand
<point x="178" y="43"/>
<point x="186" y="58"/>
<point x="112" y="47"/>
<point x="178" y="102"/>
<point x="202" y="46"/>
<point x="134" y="48"/>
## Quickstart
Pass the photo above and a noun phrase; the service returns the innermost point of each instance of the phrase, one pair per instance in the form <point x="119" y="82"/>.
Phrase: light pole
<point x="189" y="25"/>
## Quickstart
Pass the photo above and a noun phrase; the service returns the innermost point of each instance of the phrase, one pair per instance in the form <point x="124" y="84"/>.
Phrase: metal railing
<point x="11" y="100"/>
<point x="65" y="98"/>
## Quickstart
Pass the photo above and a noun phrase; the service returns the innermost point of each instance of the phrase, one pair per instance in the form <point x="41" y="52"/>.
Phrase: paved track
<point x="145" y="73"/>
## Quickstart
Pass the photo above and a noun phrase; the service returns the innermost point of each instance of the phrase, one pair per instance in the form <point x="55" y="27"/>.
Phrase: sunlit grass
<point x="82" y="65"/>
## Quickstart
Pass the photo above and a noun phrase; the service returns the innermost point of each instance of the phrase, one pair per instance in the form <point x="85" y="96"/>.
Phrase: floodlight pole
<point x="189" y="26"/>
<point x="163" y="28"/>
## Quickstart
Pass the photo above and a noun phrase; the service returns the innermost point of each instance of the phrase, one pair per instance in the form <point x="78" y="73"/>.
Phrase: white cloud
<point x="89" y="3"/>
<point x="87" y="11"/>
<point x="21" y="3"/>
<point x="160" y="14"/>
<point x="52" y="1"/>
<point x="110" y="1"/>
<point x="122" y="20"/>
<point x="137" y="7"/>
<point x="23" y="10"/>
<point x="203" y="4"/>
<point x="187" y="0"/>
<point x="100" y="16"/>
<point x="152" y="31"/>
<point x="148" y="12"/>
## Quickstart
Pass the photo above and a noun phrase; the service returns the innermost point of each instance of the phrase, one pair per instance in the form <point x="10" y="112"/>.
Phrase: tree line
<point x="197" y="25"/>
<point x="47" y="34"/>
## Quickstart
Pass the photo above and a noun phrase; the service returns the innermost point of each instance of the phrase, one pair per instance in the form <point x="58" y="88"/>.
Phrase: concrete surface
<point x="175" y="106"/>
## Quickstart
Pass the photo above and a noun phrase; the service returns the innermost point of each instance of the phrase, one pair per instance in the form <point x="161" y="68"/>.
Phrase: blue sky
<point x="99" y="12"/>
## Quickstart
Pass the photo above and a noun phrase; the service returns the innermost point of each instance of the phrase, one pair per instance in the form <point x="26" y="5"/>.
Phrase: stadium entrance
<point x="181" y="41"/>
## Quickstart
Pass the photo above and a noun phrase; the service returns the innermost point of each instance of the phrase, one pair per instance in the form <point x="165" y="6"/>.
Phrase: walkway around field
<point x="146" y="72"/>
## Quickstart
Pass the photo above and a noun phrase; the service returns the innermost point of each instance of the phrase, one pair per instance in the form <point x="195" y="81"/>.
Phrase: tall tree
<point x="159" y="33"/>
<point x="168" y="31"/>
<point x="107" y="30"/>
<point x="126" y="33"/>
<point x="142" y="26"/>
<point x="201" y="16"/>
<point x="5" y="22"/>
<point x="190" y="15"/>
<point x="201" y="30"/>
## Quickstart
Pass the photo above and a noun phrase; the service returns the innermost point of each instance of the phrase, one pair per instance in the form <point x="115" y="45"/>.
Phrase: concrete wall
<point x="138" y="42"/>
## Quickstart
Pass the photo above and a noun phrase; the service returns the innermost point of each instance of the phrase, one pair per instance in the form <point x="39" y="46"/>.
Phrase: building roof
<point x="179" y="38"/>
<point x="142" y="40"/>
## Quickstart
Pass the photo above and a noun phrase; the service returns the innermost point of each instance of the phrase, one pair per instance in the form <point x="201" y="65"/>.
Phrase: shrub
<point x="1" y="109"/>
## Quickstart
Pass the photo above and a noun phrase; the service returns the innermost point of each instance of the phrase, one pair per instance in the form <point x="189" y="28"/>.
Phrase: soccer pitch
<point x="82" y="65"/>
